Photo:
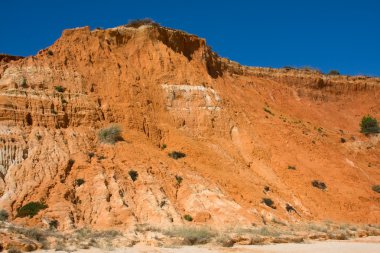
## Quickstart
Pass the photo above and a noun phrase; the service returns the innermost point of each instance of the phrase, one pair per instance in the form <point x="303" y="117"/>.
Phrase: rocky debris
<point x="8" y="241"/>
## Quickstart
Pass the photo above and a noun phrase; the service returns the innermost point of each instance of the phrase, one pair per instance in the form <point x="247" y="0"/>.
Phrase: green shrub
<point x="318" y="184"/>
<point x="163" y="146"/>
<point x="178" y="179"/>
<point x="191" y="236"/>
<point x="369" y="125"/>
<point x="4" y="215"/>
<point x="35" y="234"/>
<point x="292" y="167"/>
<point x="59" y="88"/>
<point x="86" y="233"/>
<point x="140" y="22"/>
<point x="53" y="224"/>
<point x="269" y="202"/>
<point x="24" y="83"/>
<point x="14" y="250"/>
<point x="133" y="174"/>
<point x="176" y="155"/>
<point x="333" y="73"/>
<point x="31" y="209"/>
<point x="342" y="140"/>
<point x="79" y="181"/>
<point x="267" y="110"/>
<point x="101" y="157"/>
<point x="32" y="233"/>
<point x="188" y="217"/>
<point x="289" y="208"/>
<point x="311" y="69"/>
<point x="376" y="188"/>
<point x="107" y="233"/>
<point x="83" y="233"/>
<point x="110" y="135"/>
<point x="266" y="231"/>
<point x="225" y="241"/>
<point x="38" y="136"/>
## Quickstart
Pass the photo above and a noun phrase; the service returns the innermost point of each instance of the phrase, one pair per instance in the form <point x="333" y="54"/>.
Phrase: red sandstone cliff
<point x="163" y="86"/>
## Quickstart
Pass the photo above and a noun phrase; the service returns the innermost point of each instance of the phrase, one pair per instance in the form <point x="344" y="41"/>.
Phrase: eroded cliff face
<point x="167" y="88"/>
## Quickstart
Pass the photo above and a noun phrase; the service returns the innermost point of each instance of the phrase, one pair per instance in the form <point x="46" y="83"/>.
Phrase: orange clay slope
<point x="240" y="128"/>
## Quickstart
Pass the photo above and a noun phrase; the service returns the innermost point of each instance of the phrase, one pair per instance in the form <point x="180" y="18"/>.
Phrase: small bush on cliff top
<point x="333" y="73"/>
<point x="311" y="69"/>
<point x="110" y="135"/>
<point x="30" y="209"/>
<point x="288" y="67"/>
<point x="369" y="125"/>
<point x="140" y="22"/>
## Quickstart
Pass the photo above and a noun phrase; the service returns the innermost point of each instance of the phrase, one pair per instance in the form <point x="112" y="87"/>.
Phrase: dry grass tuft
<point x="191" y="235"/>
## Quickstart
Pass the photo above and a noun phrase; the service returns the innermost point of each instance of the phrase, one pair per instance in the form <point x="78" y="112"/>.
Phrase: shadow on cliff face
<point x="187" y="45"/>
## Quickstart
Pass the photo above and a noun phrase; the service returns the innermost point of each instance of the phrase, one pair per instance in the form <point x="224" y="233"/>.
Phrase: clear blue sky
<point x="341" y="35"/>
